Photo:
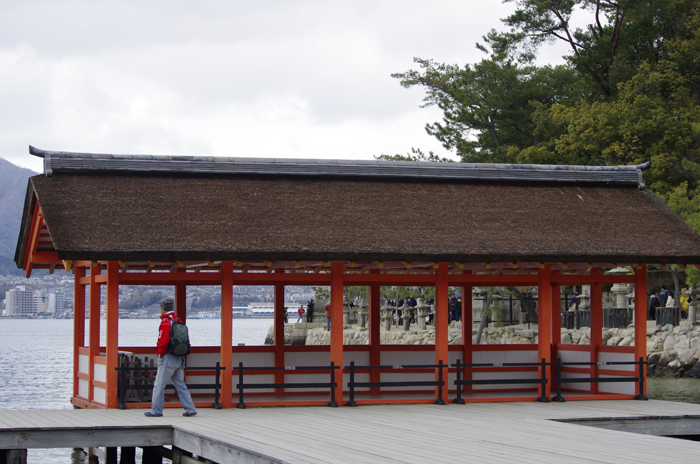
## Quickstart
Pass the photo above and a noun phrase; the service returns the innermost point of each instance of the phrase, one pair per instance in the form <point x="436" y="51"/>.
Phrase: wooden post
<point x="94" y="328"/>
<point x="336" y="349"/>
<point x="640" y="318"/>
<point x="226" y="333"/>
<point x="544" y="319"/>
<point x="467" y="315"/>
<point x="441" y="323"/>
<point x="374" y="327"/>
<point x="181" y="297"/>
<point x="278" y="331"/>
<point x="556" y="327"/>
<point x="78" y="324"/>
<point x="596" y="324"/>
<point x="112" y="342"/>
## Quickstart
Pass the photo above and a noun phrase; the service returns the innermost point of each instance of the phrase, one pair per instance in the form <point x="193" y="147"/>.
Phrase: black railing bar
<point x="599" y="379"/>
<point x="407" y="383"/>
<point x="400" y="366"/>
<point x="497" y="381"/>
<point x="248" y="386"/>
<point x="602" y="363"/>
<point x="288" y="368"/>
<point x="155" y="368"/>
<point x="537" y="364"/>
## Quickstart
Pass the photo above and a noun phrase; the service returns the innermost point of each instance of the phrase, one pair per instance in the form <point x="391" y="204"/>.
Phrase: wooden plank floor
<point x="478" y="432"/>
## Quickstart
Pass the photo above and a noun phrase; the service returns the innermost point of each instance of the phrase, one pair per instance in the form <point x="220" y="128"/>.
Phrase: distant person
<point x="452" y="307"/>
<point x="310" y="311"/>
<point x="651" y="309"/>
<point x="670" y="302"/>
<point x="663" y="297"/>
<point x="286" y="315"/>
<point x="301" y="312"/>
<point x="328" y="316"/>
<point x="683" y="300"/>
<point x="170" y="366"/>
<point x="574" y="302"/>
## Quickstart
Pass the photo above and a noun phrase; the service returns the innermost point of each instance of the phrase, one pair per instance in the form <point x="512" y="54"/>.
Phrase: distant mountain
<point x="13" y="188"/>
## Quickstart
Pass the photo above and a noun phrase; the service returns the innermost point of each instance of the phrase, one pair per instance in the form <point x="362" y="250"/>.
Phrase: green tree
<point x="488" y="107"/>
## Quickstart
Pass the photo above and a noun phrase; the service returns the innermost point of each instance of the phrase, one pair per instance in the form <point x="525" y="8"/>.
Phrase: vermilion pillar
<point x="544" y="319"/>
<point x="556" y="325"/>
<point x="181" y="297"/>
<point x="596" y="324"/>
<point x="337" y="326"/>
<point x="375" y="352"/>
<point x="278" y="324"/>
<point x="78" y="324"/>
<point x="112" y="341"/>
<point x="441" y="322"/>
<point x="467" y="332"/>
<point x="226" y="333"/>
<point x="640" y="317"/>
<point x="94" y="326"/>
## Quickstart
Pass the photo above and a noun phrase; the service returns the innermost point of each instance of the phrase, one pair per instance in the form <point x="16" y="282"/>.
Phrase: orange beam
<point x="493" y="279"/>
<point x="596" y="276"/>
<point x="336" y="353"/>
<point x="226" y="333"/>
<point x="112" y="332"/>
<point x="441" y="323"/>
<point x="33" y="240"/>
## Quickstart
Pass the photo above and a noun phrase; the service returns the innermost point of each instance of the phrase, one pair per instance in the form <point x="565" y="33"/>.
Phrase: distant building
<point x="20" y="302"/>
<point x="57" y="303"/>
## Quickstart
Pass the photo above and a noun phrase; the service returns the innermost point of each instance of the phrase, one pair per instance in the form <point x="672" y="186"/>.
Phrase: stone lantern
<point x="387" y="315"/>
<point x="694" y="294"/>
<point x="422" y="313"/>
<point x="621" y="291"/>
<point x="362" y="312"/>
<point x="406" y="310"/>
<point x="346" y="312"/>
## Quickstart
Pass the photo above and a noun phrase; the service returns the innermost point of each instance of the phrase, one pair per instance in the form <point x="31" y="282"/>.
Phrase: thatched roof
<point x="129" y="214"/>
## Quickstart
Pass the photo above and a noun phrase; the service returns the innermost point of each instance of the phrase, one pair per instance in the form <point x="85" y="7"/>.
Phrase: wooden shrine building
<point x="115" y="220"/>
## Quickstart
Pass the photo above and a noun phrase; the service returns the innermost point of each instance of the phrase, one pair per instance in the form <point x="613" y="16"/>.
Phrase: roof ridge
<point x="63" y="161"/>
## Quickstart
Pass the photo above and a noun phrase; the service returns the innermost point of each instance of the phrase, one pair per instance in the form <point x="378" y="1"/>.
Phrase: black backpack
<point x="179" y="339"/>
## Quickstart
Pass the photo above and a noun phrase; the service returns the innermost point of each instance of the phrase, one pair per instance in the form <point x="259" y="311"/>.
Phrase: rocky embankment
<point x="671" y="351"/>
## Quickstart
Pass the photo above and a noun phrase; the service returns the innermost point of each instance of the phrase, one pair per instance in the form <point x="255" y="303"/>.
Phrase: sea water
<point x="36" y="362"/>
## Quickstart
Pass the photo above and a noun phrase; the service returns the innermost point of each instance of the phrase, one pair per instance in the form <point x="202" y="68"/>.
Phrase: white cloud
<point x="303" y="79"/>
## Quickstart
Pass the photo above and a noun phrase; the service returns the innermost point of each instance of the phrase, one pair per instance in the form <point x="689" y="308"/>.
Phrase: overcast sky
<point x="292" y="79"/>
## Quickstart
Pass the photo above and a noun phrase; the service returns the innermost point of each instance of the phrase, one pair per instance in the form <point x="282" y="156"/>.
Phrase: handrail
<point x="639" y="378"/>
<point x="123" y="387"/>
<point x="242" y="386"/>
<point x="542" y="380"/>
<point x="408" y="383"/>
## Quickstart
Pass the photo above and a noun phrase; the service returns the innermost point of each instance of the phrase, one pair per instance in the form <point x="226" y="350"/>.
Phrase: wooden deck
<point x="483" y="432"/>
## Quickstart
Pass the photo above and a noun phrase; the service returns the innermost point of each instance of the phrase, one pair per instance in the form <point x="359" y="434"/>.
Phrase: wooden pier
<point x="572" y="432"/>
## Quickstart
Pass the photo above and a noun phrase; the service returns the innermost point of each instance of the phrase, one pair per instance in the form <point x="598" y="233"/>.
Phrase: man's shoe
<point x="152" y="414"/>
<point x="189" y="414"/>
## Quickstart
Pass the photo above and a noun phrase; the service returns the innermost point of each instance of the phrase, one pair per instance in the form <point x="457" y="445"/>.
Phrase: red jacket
<point x="164" y="332"/>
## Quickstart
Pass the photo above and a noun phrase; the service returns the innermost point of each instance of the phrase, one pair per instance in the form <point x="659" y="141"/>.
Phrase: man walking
<point x="170" y="366"/>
